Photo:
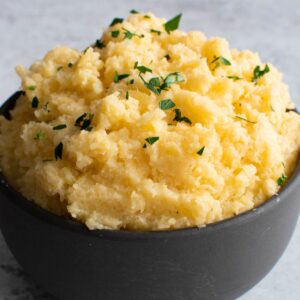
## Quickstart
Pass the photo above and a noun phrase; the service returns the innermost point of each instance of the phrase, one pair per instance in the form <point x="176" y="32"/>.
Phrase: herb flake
<point x="172" y="24"/>
<point x="133" y="11"/>
<point x="166" y="104"/>
<point x="99" y="44"/>
<point x="58" y="151"/>
<point x="200" y="152"/>
<point x="35" y="102"/>
<point x="31" y="87"/>
<point x="257" y="73"/>
<point x="116" y="21"/>
<point x="179" y="118"/>
<point x="39" y="135"/>
<point x="281" y="180"/>
<point x="84" y="121"/>
<point x="141" y="68"/>
<point x="158" y="32"/>
<point x="244" y="119"/>
<point x="118" y="77"/>
<point x="234" y="77"/>
<point x="152" y="140"/>
<point x="59" y="127"/>
<point x="115" y="33"/>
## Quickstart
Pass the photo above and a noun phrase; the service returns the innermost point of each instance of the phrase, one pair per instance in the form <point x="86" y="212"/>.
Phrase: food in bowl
<point x="150" y="128"/>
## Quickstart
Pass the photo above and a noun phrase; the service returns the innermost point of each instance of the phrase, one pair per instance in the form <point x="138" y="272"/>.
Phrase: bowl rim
<point x="73" y="225"/>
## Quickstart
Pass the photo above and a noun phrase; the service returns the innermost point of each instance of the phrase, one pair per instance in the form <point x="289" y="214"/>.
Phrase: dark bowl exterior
<point x="219" y="261"/>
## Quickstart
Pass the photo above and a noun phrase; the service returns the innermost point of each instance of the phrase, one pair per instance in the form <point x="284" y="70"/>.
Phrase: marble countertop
<point x="30" y="27"/>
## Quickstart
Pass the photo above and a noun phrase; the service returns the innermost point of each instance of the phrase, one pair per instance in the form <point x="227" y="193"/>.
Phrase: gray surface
<point x="29" y="28"/>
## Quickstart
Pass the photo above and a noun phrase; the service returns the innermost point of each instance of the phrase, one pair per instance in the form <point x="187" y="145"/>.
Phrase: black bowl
<point x="219" y="261"/>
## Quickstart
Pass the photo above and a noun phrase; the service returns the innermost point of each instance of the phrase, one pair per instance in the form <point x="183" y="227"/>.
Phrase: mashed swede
<point x="232" y="140"/>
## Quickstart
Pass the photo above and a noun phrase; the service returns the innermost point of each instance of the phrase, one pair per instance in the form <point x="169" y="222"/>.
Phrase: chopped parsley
<point x="31" y="87"/>
<point x="127" y="95"/>
<point x="40" y="135"/>
<point x="133" y="11"/>
<point x="119" y="77"/>
<point x="166" y="104"/>
<point x="234" y="77"/>
<point x="147" y="17"/>
<point x="99" y="44"/>
<point x="172" y="24"/>
<point x="167" y="57"/>
<point x="200" y="152"/>
<point x="59" y="68"/>
<point x="59" y="127"/>
<point x="158" y="32"/>
<point x="131" y="81"/>
<point x="152" y="140"/>
<point x="220" y="60"/>
<point x="244" y="119"/>
<point x="281" y="180"/>
<point x="84" y="121"/>
<point x="115" y="33"/>
<point x="35" y="102"/>
<point x="58" y="151"/>
<point x="141" y="68"/>
<point x="156" y="86"/>
<point x="70" y="65"/>
<point x="86" y="49"/>
<point x="129" y="35"/>
<point x="179" y="118"/>
<point x="116" y="21"/>
<point x="257" y="73"/>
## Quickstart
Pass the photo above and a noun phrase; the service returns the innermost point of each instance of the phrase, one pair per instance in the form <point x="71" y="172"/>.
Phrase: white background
<point x="29" y="28"/>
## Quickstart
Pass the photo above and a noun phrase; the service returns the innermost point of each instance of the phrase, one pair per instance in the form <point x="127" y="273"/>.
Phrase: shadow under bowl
<point x="220" y="261"/>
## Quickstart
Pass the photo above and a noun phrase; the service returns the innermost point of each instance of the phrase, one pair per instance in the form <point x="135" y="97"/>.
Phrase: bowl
<point x="220" y="261"/>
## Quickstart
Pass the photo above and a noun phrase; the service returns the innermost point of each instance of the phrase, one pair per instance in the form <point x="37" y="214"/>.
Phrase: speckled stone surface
<point x="28" y="28"/>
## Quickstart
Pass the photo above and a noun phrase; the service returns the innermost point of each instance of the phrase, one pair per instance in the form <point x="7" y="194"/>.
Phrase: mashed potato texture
<point x="150" y="128"/>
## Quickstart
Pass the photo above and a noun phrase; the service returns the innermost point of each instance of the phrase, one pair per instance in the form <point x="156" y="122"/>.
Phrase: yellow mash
<point x="150" y="128"/>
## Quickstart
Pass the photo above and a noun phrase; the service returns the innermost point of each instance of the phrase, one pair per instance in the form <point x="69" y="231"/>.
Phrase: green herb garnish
<point x="40" y="135"/>
<point x="244" y="119"/>
<point x="234" y="77"/>
<point x="116" y="21"/>
<point x="257" y="73"/>
<point x="45" y="107"/>
<point x="35" y="102"/>
<point x="59" y="68"/>
<point x="31" y="87"/>
<point x="115" y="33"/>
<point x="153" y="84"/>
<point x="166" y="104"/>
<point x="281" y="180"/>
<point x="158" y="32"/>
<point x="99" y="44"/>
<point x="200" y="152"/>
<point x="141" y="68"/>
<point x="170" y="79"/>
<point x="58" y="151"/>
<point x="147" y="17"/>
<point x="172" y="24"/>
<point x="131" y="81"/>
<point x="129" y="35"/>
<point x="179" y="118"/>
<point x="133" y="11"/>
<point x="152" y="140"/>
<point x="118" y="77"/>
<point x="84" y="121"/>
<point x="220" y="60"/>
<point x="127" y="95"/>
<point x="59" y="127"/>
<point x="70" y="65"/>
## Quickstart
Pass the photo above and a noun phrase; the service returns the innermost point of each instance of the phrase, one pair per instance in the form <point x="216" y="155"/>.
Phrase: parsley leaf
<point x="35" y="102"/>
<point x="166" y="104"/>
<point x="84" y="121"/>
<point x="178" y="117"/>
<point x="141" y="68"/>
<point x="99" y="44"/>
<point x="168" y="57"/>
<point x="153" y="85"/>
<point x="115" y="33"/>
<point x="116" y="21"/>
<point x="241" y="118"/>
<point x="59" y="127"/>
<point x="58" y="151"/>
<point x="220" y="60"/>
<point x="257" y="73"/>
<point x="152" y="140"/>
<point x="40" y="135"/>
<point x="158" y="32"/>
<point x="31" y="87"/>
<point x="119" y="77"/>
<point x="281" y="180"/>
<point x="129" y="35"/>
<point x="127" y="95"/>
<point x="172" y="24"/>
<point x="170" y="79"/>
<point x="70" y="65"/>
<point x="200" y="152"/>
<point x="133" y="11"/>
<point x="234" y="77"/>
